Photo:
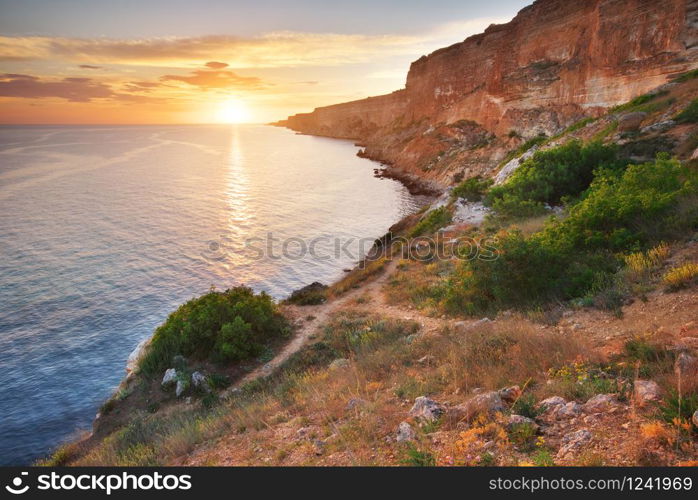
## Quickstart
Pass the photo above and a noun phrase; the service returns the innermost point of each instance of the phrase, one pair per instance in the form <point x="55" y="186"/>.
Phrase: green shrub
<point x="526" y="406"/>
<point x="436" y="219"/>
<point x="415" y="457"/>
<point x="690" y="114"/>
<point x="472" y="189"/>
<point x="620" y="212"/>
<point x="678" y="407"/>
<point x="550" y="175"/>
<point x="690" y="75"/>
<point x="222" y="326"/>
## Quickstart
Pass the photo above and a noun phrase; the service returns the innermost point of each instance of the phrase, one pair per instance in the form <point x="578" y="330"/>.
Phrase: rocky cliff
<point x="464" y="106"/>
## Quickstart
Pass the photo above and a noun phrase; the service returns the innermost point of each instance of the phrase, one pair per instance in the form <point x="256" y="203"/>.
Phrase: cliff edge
<point x="464" y="106"/>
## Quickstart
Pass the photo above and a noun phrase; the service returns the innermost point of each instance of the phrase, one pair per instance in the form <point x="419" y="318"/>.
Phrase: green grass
<point x="436" y="219"/>
<point x="690" y="114"/>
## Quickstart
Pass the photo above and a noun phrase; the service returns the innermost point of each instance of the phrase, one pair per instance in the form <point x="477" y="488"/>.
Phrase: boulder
<point x="551" y="404"/>
<point x="426" y="409"/>
<point x="485" y="403"/>
<point x="658" y="126"/>
<point x="182" y="386"/>
<point x="646" y="391"/>
<point x="510" y="394"/>
<point x="569" y="410"/>
<point x="600" y="403"/>
<point x="199" y="380"/>
<point x="572" y="442"/>
<point x="695" y="418"/>
<point x="631" y="121"/>
<point x="515" y="420"/>
<point x="170" y="377"/>
<point x="405" y="433"/>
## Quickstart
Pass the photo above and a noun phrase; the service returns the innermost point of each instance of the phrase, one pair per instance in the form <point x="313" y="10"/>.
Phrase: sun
<point x="233" y="111"/>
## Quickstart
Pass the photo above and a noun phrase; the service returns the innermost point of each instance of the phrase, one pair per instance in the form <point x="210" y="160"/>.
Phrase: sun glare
<point x="233" y="111"/>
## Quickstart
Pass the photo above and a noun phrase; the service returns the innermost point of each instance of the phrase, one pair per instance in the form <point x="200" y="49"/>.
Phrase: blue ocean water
<point x="105" y="230"/>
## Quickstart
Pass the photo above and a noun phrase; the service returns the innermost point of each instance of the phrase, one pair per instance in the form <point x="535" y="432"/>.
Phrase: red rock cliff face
<point x="554" y="63"/>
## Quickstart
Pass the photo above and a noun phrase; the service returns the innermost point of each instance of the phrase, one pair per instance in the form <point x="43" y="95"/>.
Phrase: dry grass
<point x="369" y="269"/>
<point x="681" y="276"/>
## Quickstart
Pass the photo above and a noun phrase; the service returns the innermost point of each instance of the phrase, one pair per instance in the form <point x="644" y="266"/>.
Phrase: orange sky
<point x="62" y="75"/>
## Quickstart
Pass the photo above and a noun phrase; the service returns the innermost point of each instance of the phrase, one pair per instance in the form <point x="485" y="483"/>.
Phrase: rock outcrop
<point x="556" y="62"/>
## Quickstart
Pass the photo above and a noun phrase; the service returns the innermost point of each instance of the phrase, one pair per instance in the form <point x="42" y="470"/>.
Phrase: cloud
<point x="143" y="86"/>
<point x="72" y="89"/>
<point x="216" y="65"/>
<point x="216" y="79"/>
<point x="89" y="66"/>
<point x="268" y="50"/>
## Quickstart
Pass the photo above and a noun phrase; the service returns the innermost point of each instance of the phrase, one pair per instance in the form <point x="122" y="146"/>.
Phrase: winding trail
<point x="319" y="315"/>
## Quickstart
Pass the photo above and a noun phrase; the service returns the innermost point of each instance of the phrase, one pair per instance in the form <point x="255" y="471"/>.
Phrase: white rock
<point x="569" y="410"/>
<point x="339" y="363"/>
<point x="405" y="432"/>
<point x="600" y="403"/>
<point x="169" y="377"/>
<point x="552" y="403"/>
<point x="572" y="442"/>
<point x="426" y="409"/>
<point x="646" y="391"/>
<point x="484" y="403"/>
<point x="199" y="380"/>
<point x="515" y="420"/>
<point x="512" y="165"/>
<point x="181" y="387"/>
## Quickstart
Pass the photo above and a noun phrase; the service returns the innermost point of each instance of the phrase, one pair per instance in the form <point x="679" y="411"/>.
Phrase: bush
<point x="620" y="212"/>
<point x="690" y="114"/>
<point x="681" y="276"/>
<point x="549" y="176"/>
<point x="472" y="189"/>
<point x="222" y="326"/>
<point x="436" y="219"/>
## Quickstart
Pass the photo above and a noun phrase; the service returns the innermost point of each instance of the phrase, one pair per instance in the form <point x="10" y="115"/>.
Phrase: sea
<point x="105" y="230"/>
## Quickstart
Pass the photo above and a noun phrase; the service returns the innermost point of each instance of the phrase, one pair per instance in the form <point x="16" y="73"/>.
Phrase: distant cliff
<point x="464" y="106"/>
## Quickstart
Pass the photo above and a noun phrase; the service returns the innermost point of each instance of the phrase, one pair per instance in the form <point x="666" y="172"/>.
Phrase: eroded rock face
<point x="554" y="63"/>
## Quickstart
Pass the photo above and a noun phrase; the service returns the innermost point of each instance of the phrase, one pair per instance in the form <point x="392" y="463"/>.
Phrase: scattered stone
<point x="515" y="420"/>
<point x="199" y="380"/>
<point x="181" y="387"/>
<point x="339" y="363"/>
<point x="685" y="366"/>
<point x="646" y="391"/>
<point x="405" y="433"/>
<point x="600" y="403"/>
<point x="463" y="326"/>
<point x="302" y="432"/>
<point x="695" y="418"/>
<point x="510" y="394"/>
<point x="569" y="410"/>
<point x="170" y="377"/>
<point x="426" y="409"/>
<point x="484" y="403"/>
<point x="552" y="403"/>
<point x="631" y="121"/>
<point x="355" y="403"/>
<point x="488" y="445"/>
<point x="572" y="442"/>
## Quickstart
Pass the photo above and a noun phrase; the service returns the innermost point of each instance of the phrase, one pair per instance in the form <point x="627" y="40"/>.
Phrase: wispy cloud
<point x="216" y="79"/>
<point x="276" y="49"/>
<point x="71" y="89"/>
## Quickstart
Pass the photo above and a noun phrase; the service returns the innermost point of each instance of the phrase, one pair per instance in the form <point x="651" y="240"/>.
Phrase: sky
<point x="185" y="61"/>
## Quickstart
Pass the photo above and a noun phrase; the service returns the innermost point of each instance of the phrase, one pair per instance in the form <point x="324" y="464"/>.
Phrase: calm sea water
<point x="105" y="230"/>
